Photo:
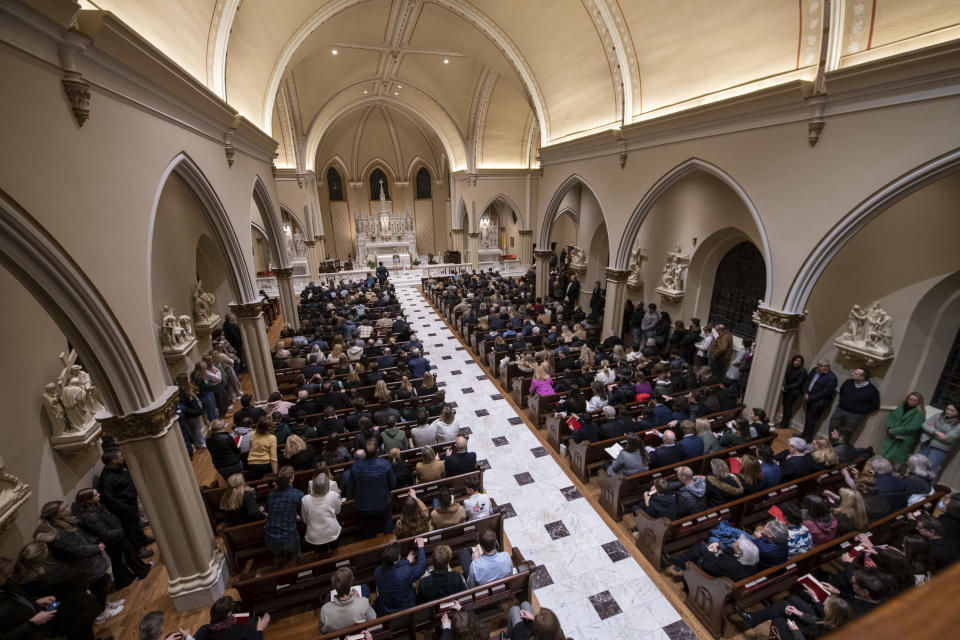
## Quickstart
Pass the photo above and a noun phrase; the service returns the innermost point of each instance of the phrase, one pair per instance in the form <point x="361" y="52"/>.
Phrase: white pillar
<point x="256" y="351"/>
<point x="526" y="247"/>
<point x="288" y="298"/>
<point x="473" y="248"/>
<point x="776" y="332"/>
<point x="616" y="297"/>
<point x="543" y="272"/>
<point x="155" y="453"/>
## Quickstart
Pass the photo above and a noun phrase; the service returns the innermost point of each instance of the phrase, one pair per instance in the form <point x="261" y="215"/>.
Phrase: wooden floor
<point x="150" y="594"/>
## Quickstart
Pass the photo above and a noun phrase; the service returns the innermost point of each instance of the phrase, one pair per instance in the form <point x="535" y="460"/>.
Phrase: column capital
<point x="248" y="310"/>
<point x="283" y="272"/>
<point x="617" y="275"/>
<point x="542" y="254"/>
<point x="525" y="232"/>
<point x="776" y="319"/>
<point x="474" y="234"/>
<point x="148" y="423"/>
<point x="310" y="243"/>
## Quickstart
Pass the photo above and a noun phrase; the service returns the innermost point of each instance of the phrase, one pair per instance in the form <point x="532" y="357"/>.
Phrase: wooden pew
<point x="310" y="582"/>
<point x="619" y="493"/>
<point x="712" y="599"/>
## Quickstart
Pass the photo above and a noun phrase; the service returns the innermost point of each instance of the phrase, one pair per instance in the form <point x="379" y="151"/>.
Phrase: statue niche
<point x="71" y="404"/>
<point x="868" y="335"/>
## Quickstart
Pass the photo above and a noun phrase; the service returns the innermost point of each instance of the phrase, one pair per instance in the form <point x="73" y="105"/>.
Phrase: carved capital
<point x="230" y="152"/>
<point x="283" y="273"/>
<point x="617" y="275"/>
<point x="247" y="311"/>
<point x="542" y="254"/>
<point x="778" y="320"/>
<point x="148" y="423"/>
<point x="78" y="94"/>
<point x="525" y="232"/>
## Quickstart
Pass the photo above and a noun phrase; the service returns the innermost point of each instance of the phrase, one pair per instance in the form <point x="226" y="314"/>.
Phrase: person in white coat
<point x="319" y="510"/>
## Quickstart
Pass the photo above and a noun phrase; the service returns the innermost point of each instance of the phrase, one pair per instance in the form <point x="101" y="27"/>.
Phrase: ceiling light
<point x="396" y="93"/>
<point x="399" y="86"/>
<point x="364" y="90"/>
<point x="446" y="61"/>
<point x="334" y="51"/>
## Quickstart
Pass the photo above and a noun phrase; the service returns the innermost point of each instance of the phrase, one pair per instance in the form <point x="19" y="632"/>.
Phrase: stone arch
<point x="653" y="195"/>
<point x="214" y="216"/>
<point x="463" y="215"/>
<point x="415" y="165"/>
<point x="504" y="199"/>
<point x="271" y="221"/>
<point x="861" y="215"/>
<point x="64" y="291"/>
<point x="552" y="212"/>
<point x="337" y="163"/>
<point x="378" y="163"/>
<point x="702" y="271"/>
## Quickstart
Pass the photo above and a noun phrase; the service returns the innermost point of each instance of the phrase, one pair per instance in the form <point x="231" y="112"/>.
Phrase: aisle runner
<point x="584" y="574"/>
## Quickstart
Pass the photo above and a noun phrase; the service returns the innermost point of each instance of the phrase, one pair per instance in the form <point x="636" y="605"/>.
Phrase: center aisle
<point x="587" y="577"/>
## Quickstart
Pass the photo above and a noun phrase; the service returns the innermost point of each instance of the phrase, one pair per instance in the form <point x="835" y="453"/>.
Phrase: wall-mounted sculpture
<point x="578" y="259"/>
<point x="635" y="279"/>
<point x="673" y="279"/>
<point x="868" y="335"/>
<point x="176" y="334"/>
<point x="71" y="404"/>
<point x="13" y="494"/>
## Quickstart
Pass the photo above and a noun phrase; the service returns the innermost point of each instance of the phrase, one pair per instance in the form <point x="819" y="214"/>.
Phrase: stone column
<point x="322" y="249"/>
<point x="256" y="351"/>
<point x="473" y="248"/>
<point x="616" y="297"/>
<point x="288" y="298"/>
<point x="313" y="263"/>
<point x="543" y="272"/>
<point x="525" y="250"/>
<point x="157" y="458"/>
<point x="776" y="331"/>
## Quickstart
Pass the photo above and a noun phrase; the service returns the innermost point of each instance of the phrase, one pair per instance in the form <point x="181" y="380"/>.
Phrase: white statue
<point x="187" y="325"/>
<point x="879" y="329"/>
<point x="202" y="304"/>
<point x="855" y="332"/>
<point x="868" y="332"/>
<point x="578" y="259"/>
<point x="13" y="494"/>
<point x="674" y="271"/>
<point x="94" y="402"/>
<point x="173" y="334"/>
<point x="75" y="404"/>
<point x="635" y="279"/>
<point x="51" y="403"/>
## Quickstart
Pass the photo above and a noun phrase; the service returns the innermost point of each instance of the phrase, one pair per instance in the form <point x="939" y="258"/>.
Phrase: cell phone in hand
<point x="53" y="606"/>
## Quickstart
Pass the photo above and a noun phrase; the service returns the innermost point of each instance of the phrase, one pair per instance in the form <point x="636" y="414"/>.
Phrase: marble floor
<point x="583" y="572"/>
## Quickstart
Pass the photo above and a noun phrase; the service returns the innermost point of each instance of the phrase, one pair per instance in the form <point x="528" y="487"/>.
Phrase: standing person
<point x="904" y="426"/>
<point x="740" y="362"/>
<point x="231" y="331"/>
<point x="191" y="411"/>
<point x="636" y="325"/>
<point x="119" y="495"/>
<point x="819" y="388"/>
<point x="396" y="576"/>
<point x="262" y="458"/>
<point x="720" y="352"/>
<point x="283" y="507"/>
<point x="97" y="521"/>
<point x="627" y="314"/>
<point x="703" y="345"/>
<point x="205" y="389"/>
<point x="370" y="482"/>
<point x="573" y="292"/>
<point x="940" y="434"/>
<point x="597" y="300"/>
<point x="792" y="389"/>
<point x="224" y="452"/>
<point x="319" y="510"/>
<point x="857" y="399"/>
<point x="649" y="323"/>
<point x="382" y="274"/>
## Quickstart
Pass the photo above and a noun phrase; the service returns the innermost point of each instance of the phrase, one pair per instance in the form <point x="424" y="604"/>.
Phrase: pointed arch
<point x="378" y="163"/>
<point x="462" y="213"/>
<point x="860" y="217"/>
<point x="341" y="167"/>
<point x="60" y="286"/>
<point x="551" y="213"/>
<point x="505" y="199"/>
<point x="268" y="212"/>
<point x="216" y="219"/>
<point x="653" y="195"/>
<point x="284" y="209"/>
<point x="412" y="168"/>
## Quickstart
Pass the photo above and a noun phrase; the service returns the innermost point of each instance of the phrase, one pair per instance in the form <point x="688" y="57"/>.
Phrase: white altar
<point x="381" y="237"/>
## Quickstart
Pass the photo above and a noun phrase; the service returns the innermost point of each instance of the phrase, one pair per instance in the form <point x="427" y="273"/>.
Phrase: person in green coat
<point x="903" y="429"/>
<point x="393" y="436"/>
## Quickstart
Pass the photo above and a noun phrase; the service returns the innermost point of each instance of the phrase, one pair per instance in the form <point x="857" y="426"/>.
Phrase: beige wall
<point x="31" y="344"/>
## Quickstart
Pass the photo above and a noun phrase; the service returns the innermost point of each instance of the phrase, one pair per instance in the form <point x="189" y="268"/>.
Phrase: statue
<point x="578" y="259"/>
<point x="74" y="401"/>
<point x="51" y="403"/>
<point x="868" y="335"/>
<point x="635" y="279"/>
<point x="175" y="332"/>
<point x="94" y="401"/>
<point x="13" y="494"/>
<point x="673" y="276"/>
<point x="202" y="304"/>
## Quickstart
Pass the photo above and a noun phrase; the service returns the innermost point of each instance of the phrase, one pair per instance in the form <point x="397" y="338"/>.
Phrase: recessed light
<point x="334" y="51"/>
<point x="399" y="86"/>
<point x="446" y="61"/>
<point x="364" y="91"/>
<point x="396" y="93"/>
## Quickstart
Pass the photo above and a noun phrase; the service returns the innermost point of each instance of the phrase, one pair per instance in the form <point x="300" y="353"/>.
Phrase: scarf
<point x="223" y="624"/>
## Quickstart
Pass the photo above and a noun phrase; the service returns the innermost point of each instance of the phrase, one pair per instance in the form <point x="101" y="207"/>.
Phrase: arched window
<point x="948" y="388"/>
<point x="738" y="287"/>
<point x="423" y="184"/>
<point x="376" y="177"/>
<point x="334" y="186"/>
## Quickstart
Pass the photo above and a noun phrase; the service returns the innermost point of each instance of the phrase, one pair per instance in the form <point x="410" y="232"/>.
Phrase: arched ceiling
<point x="519" y="74"/>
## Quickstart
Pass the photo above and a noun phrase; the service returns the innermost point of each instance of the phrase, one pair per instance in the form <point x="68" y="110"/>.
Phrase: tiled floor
<point x="594" y="585"/>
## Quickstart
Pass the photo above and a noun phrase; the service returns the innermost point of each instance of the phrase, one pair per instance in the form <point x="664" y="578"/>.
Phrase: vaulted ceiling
<point x="496" y="79"/>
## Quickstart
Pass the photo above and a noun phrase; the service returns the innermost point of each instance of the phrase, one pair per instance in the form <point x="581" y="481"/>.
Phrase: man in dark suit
<point x="818" y="392"/>
<point x="460" y="460"/>
<point x="573" y="291"/>
<point x="597" y="300"/>
<point x="613" y="426"/>
<point x="667" y="454"/>
<point x="386" y="360"/>
<point x="231" y="331"/>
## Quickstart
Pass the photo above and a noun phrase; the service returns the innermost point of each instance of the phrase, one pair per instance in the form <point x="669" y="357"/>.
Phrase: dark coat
<point x="460" y="462"/>
<point x="224" y="451"/>
<point x="117" y="491"/>
<point x="796" y="467"/>
<point x="664" y="456"/>
<point x="102" y="524"/>
<point x="823" y="389"/>
<point x="793" y="381"/>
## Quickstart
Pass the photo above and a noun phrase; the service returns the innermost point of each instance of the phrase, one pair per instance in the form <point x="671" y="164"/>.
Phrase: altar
<point x="381" y="237"/>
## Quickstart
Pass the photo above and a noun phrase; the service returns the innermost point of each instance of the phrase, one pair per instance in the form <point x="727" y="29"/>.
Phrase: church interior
<point x="790" y="170"/>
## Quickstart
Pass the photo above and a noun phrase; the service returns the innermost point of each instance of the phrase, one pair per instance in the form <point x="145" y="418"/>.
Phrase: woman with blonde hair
<point x="448" y="428"/>
<point x="298" y="453"/>
<point x="336" y="353"/>
<point x="262" y="458"/>
<point x="751" y="474"/>
<point x="430" y="468"/>
<point x="527" y="363"/>
<point x="343" y="366"/>
<point x="851" y="513"/>
<point x="406" y="390"/>
<point x="586" y="356"/>
<point x="579" y="332"/>
<point x="319" y="510"/>
<point x="541" y="384"/>
<point x="824" y="457"/>
<point x="382" y="392"/>
<point x="619" y="355"/>
<point x="238" y="504"/>
<point x="705" y="431"/>
<point x="428" y="384"/>
<point x="353" y="379"/>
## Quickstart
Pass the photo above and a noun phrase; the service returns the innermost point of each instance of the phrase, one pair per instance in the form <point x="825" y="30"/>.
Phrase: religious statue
<point x="673" y="276"/>
<point x="868" y="334"/>
<point x="175" y="332"/>
<point x="51" y="404"/>
<point x="72" y="401"/>
<point x="635" y="279"/>
<point x="13" y="494"/>
<point x="93" y="400"/>
<point x="578" y="259"/>
<point x="202" y="304"/>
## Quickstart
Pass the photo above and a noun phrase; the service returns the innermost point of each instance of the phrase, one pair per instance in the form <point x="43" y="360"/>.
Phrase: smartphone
<point x="53" y="605"/>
